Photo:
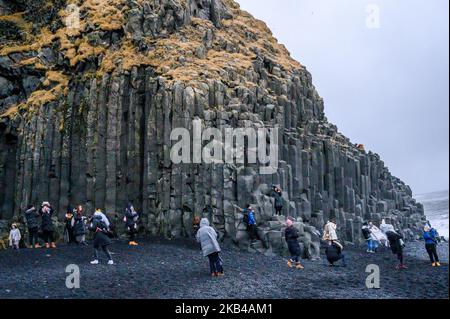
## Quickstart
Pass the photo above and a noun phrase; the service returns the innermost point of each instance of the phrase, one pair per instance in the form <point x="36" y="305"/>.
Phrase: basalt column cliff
<point x="88" y="105"/>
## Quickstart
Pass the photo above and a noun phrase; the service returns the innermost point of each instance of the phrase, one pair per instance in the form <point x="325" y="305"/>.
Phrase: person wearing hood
<point x="207" y="237"/>
<point x="430" y="236"/>
<point x="384" y="228"/>
<point x="396" y="243"/>
<point x="376" y="237"/>
<point x="291" y="236"/>
<point x="79" y="226"/>
<point x="333" y="251"/>
<point x="14" y="237"/>
<point x="329" y="231"/>
<point x="47" y="227"/>
<point x="31" y="217"/>
<point x="130" y="219"/>
<point x="101" y="239"/>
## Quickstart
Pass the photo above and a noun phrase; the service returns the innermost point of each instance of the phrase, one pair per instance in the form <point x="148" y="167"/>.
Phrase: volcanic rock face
<point x="89" y="105"/>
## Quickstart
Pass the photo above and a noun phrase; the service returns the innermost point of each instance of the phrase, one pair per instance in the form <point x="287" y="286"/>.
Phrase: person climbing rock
<point x="329" y="231"/>
<point x="47" y="227"/>
<point x="249" y="219"/>
<point x="14" y="237"/>
<point x="68" y="228"/>
<point x="101" y="239"/>
<point x="130" y="219"/>
<point x="396" y="243"/>
<point x="291" y="236"/>
<point x="430" y="236"/>
<point x="278" y="195"/>
<point x="31" y="217"/>
<point x="207" y="237"/>
<point x="334" y="253"/>
<point x="79" y="226"/>
<point x="367" y="236"/>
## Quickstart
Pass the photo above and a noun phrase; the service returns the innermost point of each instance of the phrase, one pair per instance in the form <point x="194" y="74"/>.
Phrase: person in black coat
<point x="278" y="195"/>
<point x="130" y="219"/>
<point x="79" y="226"/>
<point x="47" y="227"/>
<point x="31" y="216"/>
<point x="291" y="236"/>
<point x="101" y="238"/>
<point x="396" y="243"/>
<point x="334" y="253"/>
<point x="69" y="236"/>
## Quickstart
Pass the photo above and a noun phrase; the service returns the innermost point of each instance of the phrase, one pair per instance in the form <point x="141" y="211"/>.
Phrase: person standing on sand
<point x="396" y="243"/>
<point x="291" y="236"/>
<point x="101" y="239"/>
<point x="367" y="236"/>
<point x="207" y="237"/>
<point x="430" y="236"/>
<point x="68" y="228"/>
<point x="47" y="227"/>
<point x="130" y="219"/>
<point x="14" y="237"/>
<point x="334" y="253"/>
<point x="31" y="216"/>
<point x="79" y="226"/>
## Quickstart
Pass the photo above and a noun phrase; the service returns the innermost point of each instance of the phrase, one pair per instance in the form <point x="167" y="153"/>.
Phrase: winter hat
<point x="45" y="204"/>
<point x="14" y="225"/>
<point x="427" y="228"/>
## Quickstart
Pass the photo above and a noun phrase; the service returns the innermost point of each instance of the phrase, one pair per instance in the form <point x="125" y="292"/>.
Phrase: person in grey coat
<point x="207" y="237"/>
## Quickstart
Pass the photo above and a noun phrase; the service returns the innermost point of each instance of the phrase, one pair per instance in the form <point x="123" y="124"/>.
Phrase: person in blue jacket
<point x="430" y="236"/>
<point x="252" y="230"/>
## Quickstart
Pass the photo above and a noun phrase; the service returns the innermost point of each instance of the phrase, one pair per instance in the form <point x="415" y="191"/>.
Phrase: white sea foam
<point x="436" y="206"/>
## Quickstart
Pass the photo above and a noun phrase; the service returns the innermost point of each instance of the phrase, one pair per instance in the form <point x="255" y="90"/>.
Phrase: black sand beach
<point x="161" y="269"/>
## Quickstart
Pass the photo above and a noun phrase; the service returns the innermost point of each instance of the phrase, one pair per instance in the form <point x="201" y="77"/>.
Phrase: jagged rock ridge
<point x="87" y="114"/>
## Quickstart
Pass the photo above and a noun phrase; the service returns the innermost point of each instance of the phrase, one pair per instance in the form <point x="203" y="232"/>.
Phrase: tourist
<point x="378" y="237"/>
<point x="384" y="227"/>
<point x="101" y="238"/>
<point x="207" y="237"/>
<point x="195" y="225"/>
<point x="79" y="226"/>
<point x="430" y="236"/>
<point x="367" y="236"/>
<point x="329" y="231"/>
<point x="291" y="236"/>
<point x="396" y="243"/>
<point x="249" y="219"/>
<point x="14" y="237"/>
<point x="68" y="228"/>
<point x="130" y="220"/>
<point x="278" y="195"/>
<point x="31" y="216"/>
<point x="47" y="227"/>
<point x="334" y="253"/>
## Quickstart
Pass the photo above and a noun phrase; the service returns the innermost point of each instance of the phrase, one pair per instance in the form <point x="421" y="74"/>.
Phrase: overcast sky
<point x="384" y="87"/>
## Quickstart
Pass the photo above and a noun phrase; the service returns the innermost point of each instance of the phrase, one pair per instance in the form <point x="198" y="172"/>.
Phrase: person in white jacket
<point x="329" y="231"/>
<point x="14" y="237"/>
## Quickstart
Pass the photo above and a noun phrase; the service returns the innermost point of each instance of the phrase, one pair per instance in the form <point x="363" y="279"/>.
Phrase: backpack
<point x="245" y="218"/>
